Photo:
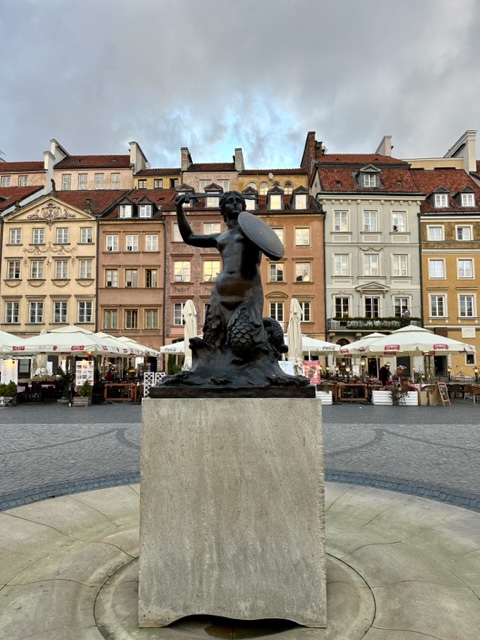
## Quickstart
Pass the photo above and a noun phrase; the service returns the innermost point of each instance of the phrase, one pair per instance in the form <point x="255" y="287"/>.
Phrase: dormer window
<point x="125" y="211"/>
<point x="145" y="211"/>
<point x="369" y="180"/>
<point x="275" y="198"/>
<point x="441" y="200"/>
<point x="250" y="195"/>
<point x="467" y="199"/>
<point x="300" y="201"/>
<point x="368" y="176"/>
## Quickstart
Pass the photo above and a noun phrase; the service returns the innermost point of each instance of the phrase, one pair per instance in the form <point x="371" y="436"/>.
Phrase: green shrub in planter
<point x="85" y="390"/>
<point x="8" y="390"/>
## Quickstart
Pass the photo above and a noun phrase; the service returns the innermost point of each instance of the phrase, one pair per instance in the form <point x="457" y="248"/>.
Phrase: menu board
<point x="84" y="370"/>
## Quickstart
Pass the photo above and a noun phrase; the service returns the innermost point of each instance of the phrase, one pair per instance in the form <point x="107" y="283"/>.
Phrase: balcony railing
<point x="370" y="324"/>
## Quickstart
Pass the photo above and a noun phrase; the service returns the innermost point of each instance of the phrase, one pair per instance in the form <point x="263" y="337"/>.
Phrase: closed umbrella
<point x="294" y="337"/>
<point x="189" y="331"/>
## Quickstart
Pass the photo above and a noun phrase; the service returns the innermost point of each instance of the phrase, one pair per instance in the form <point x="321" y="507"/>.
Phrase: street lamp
<point x="449" y="372"/>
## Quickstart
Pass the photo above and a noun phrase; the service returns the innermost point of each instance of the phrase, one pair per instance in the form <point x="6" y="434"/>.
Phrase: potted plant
<point x="8" y="394"/>
<point x="84" y="397"/>
<point x="65" y="384"/>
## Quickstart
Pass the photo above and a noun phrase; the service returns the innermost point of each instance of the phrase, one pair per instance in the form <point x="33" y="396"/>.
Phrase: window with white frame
<point x="15" y="236"/>
<point x="173" y="183"/>
<point x="288" y="189"/>
<point x="111" y="277"/>
<point x="464" y="268"/>
<point x="38" y="236"/>
<point x="158" y="183"/>
<point x="468" y="199"/>
<point x="371" y="264"/>
<point x="130" y="277"/>
<point x="178" y="313"/>
<point x="372" y="306"/>
<point x="125" y="211"/>
<point x="399" y="265"/>
<point x="86" y="236"/>
<point x="437" y="306"/>
<point x="62" y="235"/>
<point x="279" y="232"/>
<point x="99" y="181"/>
<point x="276" y="311"/>
<point x="276" y="270"/>
<point x="306" y="311"/>
<point x="11" y="312"/>
<point x="302" y="236"/>
<point x="399" y="221"/>
<point x="341" y="264"/>
<point x="66" y="181"/>
<point x="5" y="181"/>
<point x="441" y="200"/>
<point x="60" y="269"/>
<point x="59" y="312"/>
<point x="142" y="183"/>
<point x="275" y="201"/>
<point x="13" y="269"/>
<point x="211" y="227"/>
<point x="110" y="319"/>
<point x="131" y="243"/>
<point x="303" y="272"/>
<point x="151" y="319"/>
<point x="250" y="204"/>
<point x="370" y="220"/>
<point x="370" y="179"/>
<point x="211" y="269"/>
<point x="342" y="307"/>
<point x="111" y="242"/>
<point x="85" y="269"/>
<point x="35" y="312"/>
<point x="436" y="268"/>
<point x="114" y="181"/>
<point x="203" y="184"/>
<point x="22" y="181"/>
<point x="151" y="242"/>
<point x="300" y="201"/>
<point x="213" y="200"/>
<point x="82" y="184"/>
<point x="84" y="311"/>
<point x="340" y="220"/>
<point x="36" y="270"/>
<point x="177" y="236"/>
<point x="435" y="233"/>
<point x="399" y="303"/>
<point x="223" y="183"/>
<point x="464" y="232"/>
<point x="466" y="305"/>
<point x="145" y="211"/>
<point x="181" y="271"/>
<point x="151" y="278"/>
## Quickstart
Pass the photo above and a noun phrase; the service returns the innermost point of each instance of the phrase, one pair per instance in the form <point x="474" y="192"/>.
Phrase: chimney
<point x="185" y="159"/>
<point x="238" y="160"/>
<point x="385" y="146"/>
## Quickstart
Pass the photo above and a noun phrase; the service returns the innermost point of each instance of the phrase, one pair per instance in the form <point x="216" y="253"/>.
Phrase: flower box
<point x="409" y="399"/>
<point x="382" y="397"/>
<point x="82" y="401"/>
<point x="324" y="396"/>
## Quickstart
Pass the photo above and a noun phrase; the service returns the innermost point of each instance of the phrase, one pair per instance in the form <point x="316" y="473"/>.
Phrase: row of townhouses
<point x="93" y="240"/>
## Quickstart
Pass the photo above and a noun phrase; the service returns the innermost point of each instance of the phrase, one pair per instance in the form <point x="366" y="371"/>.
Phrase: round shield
<point x="258" y="232"/>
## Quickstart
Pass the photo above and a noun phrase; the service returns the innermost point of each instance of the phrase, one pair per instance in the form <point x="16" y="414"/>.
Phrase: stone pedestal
<point x="232" y="510"/>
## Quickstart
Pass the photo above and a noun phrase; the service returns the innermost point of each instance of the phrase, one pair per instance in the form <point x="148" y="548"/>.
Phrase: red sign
<point x="20" y="348"/>
<point x="391" y="347"/>
<point x="78" y="347"/>
<point x="437" y="347"/>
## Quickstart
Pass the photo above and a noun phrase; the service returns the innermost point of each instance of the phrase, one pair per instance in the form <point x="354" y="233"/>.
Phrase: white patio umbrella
<point x="359" y="346"/>
<point x="189" y="331"/>
<point x="68" y="342"/>
<point x="8" y="341"/>
<point x="138" y="349"/>
<point x="294" y="337"/>
<point x="417" y="340"/>
<point x="313" y="345"/>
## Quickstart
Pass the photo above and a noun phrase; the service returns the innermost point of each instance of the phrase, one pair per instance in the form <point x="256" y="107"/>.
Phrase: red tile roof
<point x="100" y="199"/>
<point x="211" y="166"/>
<point x="27" y="166"/>
<point x="9" y="195"/>
<point x="342" y="179"/>
<point x="276" y="172"/>
<point x="159" y="172"/>
<point x="94" y="162"/>
<point x="359" y="159"/>
<point x="454" y="180"/>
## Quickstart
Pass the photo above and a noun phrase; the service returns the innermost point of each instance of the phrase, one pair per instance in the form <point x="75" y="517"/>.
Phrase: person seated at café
<point x="384" y="374"/>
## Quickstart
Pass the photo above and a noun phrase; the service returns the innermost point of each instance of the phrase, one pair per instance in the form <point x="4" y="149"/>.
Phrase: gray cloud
<point x="215" y="75"/>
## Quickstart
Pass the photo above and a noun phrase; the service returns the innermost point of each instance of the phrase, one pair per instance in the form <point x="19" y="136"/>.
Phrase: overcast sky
<point x="214" y="75"/>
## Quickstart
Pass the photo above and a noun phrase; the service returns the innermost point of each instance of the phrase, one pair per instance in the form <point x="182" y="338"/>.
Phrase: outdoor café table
<point x="351" y="392"/>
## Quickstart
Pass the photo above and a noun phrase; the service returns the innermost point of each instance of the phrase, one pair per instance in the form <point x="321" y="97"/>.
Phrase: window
<point x="86" y="235"/>
<point x="302" y="272"/>
<point x="213" y="201"/>
<point x="275" y="201"/>
<point x="371" y="264"/>
<point x="36" y="269"/>
<point x="211" y="227"/>
<point x="125" y="211"/>
<point x="276" y="272"/>
<point x="114" y="181"/>
<point x="22" y="181"/>
<point x="399" y="221"/>
<point x="35" y="312"/>
<point x="279" y="232"/>
<point x="464" y="233"/>
<point x="466" y="305"/>
<point x="84" y="311"/>
<point x="211" y="269"/>
<point x="82" y="181"/>
<point x="60" y="269"/>
<point x="111" y="277"/>
<point x="340" y="220"/>
<point x="400" y="265"/>
<point x="111" y="243"/>
<point x="158" y="183"/>
<point x="341" y="264"/>
<point x="99" y="181"/>
<point x="59" y="312"/>
<point x="151" y="278"/>
<point x="145" y="211"/>
<point x="177" y="236"/>
<point x="223" y="183"/>
<point x="436" y="269"/>
<point x="66" y="181"/>
<point x="465" y="268"/>
<point x="342" y="307"/>
<point x="151" y="319"/>
<point x="306" y="308"/>
<point x="250" y="204"/>
<point x="262" y="190"/>
<point x="441" y="200"/>
<point x="370" y="221"/>
<point x="181" y="270"/>
<point x="15" y="236"/>
<point x="13" y="269"/>
<point x="288" y="189"/>
<point x="142" y="184"/>
<point x="276" y="311"/>
<point x="173" y="183"/>
<point x="203" y="184"/>
<point x="370" y="180"/>
<point x="130" y="277"/>
<point x="301" y="201"/>
<point x="38" y="236"/>
<point x="110" y="319"/>
<point x="151" y="242"/>
<point x="302" y="236"/>
<point x="178" y="313"/>
<point x="5" y="181"/>
<point x="468" y="200"/>
<point x="131" y="243"/>
<point x="437" y="306"/>
<point x="435" y="234"/>
<point x="62" y="235"/>
<point x="11" y="312"/>
<point x="85" y="269"/>
<point x="398" y="304"/>
<point x="372" y="307"/>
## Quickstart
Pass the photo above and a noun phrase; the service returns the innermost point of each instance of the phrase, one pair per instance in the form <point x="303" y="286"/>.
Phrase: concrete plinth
<point x="232" y="510"/>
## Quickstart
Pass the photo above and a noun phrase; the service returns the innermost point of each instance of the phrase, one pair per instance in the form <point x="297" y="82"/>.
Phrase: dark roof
<point x="211" y="166"/>
<point x="94" y="162"/>
<point x="342" y="179"/>
<point x="23" y="166"/>
<point x="161" y="198"/>
<point x="9" y="195"/>
<point x="359" y="159"/>
<point x="159" y="172"/>
<point x="276" y="172"/>
<point x="100" y="199"/>
<point x="453" y="180"/>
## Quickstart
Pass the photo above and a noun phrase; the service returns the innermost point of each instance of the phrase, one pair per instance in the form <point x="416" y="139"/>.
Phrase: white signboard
<point x="9" y="371"/>
<point x="84" y="371"/>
